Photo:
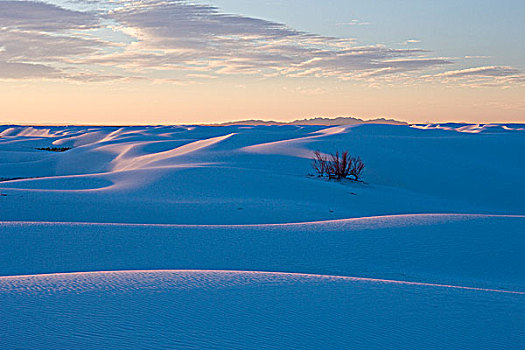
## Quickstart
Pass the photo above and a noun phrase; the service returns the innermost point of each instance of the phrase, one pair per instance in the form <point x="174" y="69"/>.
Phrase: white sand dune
<point x="177" y="172"/>
<point x="294" y="147"/>
<point x="469" y="250"/>
<point x="149" y="160"/>
<point x="240" y="310"/>
<point x="472" y="128"/>
<point x="427" y="253"/>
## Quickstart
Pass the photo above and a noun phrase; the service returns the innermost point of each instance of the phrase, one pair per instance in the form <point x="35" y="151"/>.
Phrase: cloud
<point x="41" y="46"/>
<point x="39" y="16"/>
<point x="488" y="71"/>
<point x="38" y="39"/>
<point x="354" y="22"/>
<point x="177" y="40"/>
<point x="184" y="35"/>
<point x="411" y="42"/>
<point x="367" y="62"/>
<point x="26" y="70"/>
<point x="487" y="76"/>
<point x="476" y="57"/>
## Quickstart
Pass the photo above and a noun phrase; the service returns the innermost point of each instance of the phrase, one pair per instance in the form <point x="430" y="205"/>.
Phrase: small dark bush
<point x="54" y="149"/>
<point x="338" y="165"/>
<point x="356" y="168"/>
<point x="320" y="163"/>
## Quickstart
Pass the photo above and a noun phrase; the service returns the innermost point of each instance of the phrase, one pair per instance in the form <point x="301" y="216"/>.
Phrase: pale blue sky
<point x="448" y="27"/>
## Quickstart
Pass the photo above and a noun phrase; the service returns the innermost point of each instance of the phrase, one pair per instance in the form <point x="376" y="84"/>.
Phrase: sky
<point x="123" y="62"/>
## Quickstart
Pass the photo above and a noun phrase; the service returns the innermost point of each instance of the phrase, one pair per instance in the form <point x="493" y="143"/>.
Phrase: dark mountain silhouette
<point x="317" y="121"/>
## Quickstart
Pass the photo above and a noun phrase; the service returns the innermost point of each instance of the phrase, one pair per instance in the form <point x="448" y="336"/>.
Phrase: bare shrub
<point x="356" y="168"/>
<point x="54" y="149"/>
<point x="320" y="163"/>
<point x="339" y="165"/>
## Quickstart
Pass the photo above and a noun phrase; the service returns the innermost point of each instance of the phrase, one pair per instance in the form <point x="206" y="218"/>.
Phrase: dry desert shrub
<point x="339" y="165"/>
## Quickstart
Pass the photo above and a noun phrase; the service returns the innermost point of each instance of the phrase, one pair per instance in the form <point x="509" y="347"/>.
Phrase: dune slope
<point x="194" y="237"/>
<point x="239" y="310"/>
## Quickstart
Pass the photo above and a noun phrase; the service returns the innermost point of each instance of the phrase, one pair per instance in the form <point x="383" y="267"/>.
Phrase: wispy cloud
<point x="39" y="16"/>
<point x="411" y="42"/>
<point x="15" y="70"/>
<point x="177" y="40"/>
<point x="198" y="37"/>
<point x="486" y="76"/>
<point x="37" y="39"/>
<point x="354" y="22"/>
<point x="488" y="71"/>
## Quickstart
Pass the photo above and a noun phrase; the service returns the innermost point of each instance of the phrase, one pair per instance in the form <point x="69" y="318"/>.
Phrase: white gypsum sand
<point x="217" y="237"/>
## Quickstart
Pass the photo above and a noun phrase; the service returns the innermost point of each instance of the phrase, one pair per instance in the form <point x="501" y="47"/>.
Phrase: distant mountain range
<point x="312" y="121"/>
<point x="317" y="121"/>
